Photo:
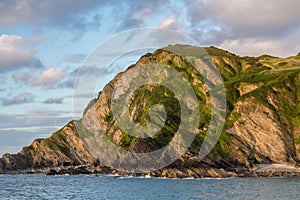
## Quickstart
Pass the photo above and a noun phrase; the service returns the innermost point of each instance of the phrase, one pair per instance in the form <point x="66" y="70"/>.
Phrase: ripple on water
<point x="108" y="187"/>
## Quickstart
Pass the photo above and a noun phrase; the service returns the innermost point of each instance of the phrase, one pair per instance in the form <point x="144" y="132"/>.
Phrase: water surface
<point x="39" y="186"/>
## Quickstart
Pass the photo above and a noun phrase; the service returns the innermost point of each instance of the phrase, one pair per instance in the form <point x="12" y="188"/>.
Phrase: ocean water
<point x="39" y="186"/>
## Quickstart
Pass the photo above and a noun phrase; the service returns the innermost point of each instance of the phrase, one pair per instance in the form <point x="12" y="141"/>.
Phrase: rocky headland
<point x="260" y="138"/>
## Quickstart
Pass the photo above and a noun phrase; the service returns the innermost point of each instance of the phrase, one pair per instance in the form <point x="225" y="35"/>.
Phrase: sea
<point x="39" y="186"/>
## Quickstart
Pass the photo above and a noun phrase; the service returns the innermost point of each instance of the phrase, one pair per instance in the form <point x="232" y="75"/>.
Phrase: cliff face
<point x="63" y="148"/>
<point x="262" y="124"/>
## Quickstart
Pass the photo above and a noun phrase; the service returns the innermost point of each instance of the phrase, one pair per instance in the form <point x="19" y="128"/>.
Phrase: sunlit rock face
<point x="262" y="122"/>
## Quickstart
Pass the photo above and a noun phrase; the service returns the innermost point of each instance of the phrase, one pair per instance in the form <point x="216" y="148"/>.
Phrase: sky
<point x="43" y="44"/>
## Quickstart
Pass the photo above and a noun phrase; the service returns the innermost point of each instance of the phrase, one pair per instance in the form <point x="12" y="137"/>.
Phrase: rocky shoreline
<point x="260" y="137"/>
<point x="265" y="170"/>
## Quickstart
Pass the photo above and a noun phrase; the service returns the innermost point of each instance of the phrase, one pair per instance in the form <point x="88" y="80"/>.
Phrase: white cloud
<point x="251" y="15"/>
<point x="49" y="78"/>
<point x="53" y="101"/>
<point x="141" y="14"/>
<point x="55" y="13"/>
<point x="281" y="47"/>
<point x="247" y="27"/>
<point x="23" y="77"/>
<point x="21" y="98"/>
<point x="174" y="22"/>
<point x="210" y="22"/>
<point x="74" y="58"/>
<point x="14" y="53"/>
<point x="250" y="47"/>
<point x="18" y="130"/>
<point x="2" y="80"/>
<point x="168" y="22"/>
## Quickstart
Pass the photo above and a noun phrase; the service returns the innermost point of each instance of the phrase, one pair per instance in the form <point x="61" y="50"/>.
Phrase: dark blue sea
<point x="39" y="186"/>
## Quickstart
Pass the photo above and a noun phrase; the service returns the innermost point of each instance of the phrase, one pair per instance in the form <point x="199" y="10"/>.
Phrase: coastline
<point x="261" y="170"/>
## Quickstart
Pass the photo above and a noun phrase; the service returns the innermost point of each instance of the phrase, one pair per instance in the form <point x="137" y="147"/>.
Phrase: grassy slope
<point x="275" y="76"/>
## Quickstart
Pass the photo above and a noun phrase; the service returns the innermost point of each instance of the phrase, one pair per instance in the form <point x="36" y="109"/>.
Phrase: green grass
<point x="126" y="140"/>
<point x="28" y="148"/>
<point x="108" y="116"/>
<point x="81" y="131"/>
<point x="275" y="78"/>
<point x="158" y="95"/>
<point x="233" y="118"/>
<point x="57" y="147"/>
<point x="59" y="136"/>
<point x="297" y="140"/>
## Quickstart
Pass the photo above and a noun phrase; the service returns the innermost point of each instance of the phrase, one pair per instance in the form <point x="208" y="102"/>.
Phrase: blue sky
<point x="43" y="43"/>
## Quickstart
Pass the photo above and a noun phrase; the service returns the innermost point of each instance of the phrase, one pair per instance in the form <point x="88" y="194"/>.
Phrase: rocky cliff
<point x="262" y="121"/>
<point x="63" y="148"/>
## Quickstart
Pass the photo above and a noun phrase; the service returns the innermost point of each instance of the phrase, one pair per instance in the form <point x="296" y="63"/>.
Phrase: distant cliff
<point x="262" y="124"/>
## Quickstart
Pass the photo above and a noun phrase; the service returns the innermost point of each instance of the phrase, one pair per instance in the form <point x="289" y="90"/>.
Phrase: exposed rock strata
<point x="262" y="126"/>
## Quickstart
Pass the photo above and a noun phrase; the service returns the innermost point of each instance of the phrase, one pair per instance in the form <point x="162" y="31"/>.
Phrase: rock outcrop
<point x="63" y="148"/>
<point x="262" y="125"/>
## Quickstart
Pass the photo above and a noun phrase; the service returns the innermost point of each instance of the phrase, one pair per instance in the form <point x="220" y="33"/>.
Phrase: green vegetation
<point x="269" y="81"/>
<point x="126" y="140"/>
<point x="57" y="146"/>
<point x="58" y="141"/>
<point x="81" y="131"/>
<point x="233" y="118"/>
<point x="59" y="136"/>
<point x="275" y="83"/>
<point x="156" y="94"/>
<point x="297" y="141"/>
<point x="108" y="116"/>
<point x="275" y="78"/>
<point x="28" y="148"/>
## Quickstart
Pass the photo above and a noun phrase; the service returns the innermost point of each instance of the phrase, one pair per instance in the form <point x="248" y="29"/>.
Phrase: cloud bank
<point x="49" y="78"/>
<point x="14" y="54"/>
<point x="24" y="97"/>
